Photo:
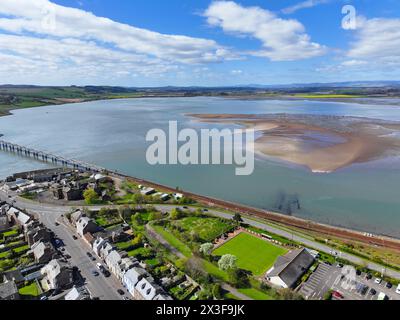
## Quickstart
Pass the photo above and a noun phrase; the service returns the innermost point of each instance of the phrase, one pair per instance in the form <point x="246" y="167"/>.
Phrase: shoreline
<point x="290" y="221"/>
<point x="356" y="100"/>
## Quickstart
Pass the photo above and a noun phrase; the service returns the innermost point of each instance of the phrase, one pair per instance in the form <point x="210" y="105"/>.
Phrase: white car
<point x="99" y="265"/>
<point x="398" y="289"/>
<point x="378" y="280"/>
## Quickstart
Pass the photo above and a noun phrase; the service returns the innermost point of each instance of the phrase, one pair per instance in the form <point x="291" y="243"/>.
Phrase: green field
<point x="208" y="228"/>
<point x="253" y="254"/>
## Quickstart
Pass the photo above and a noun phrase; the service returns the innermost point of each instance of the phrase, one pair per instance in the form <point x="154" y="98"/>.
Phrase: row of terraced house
<point x="131" y="272"/>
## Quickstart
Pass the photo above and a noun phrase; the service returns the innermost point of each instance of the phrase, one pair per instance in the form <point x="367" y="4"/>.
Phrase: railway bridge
<point x="48" y="157"/>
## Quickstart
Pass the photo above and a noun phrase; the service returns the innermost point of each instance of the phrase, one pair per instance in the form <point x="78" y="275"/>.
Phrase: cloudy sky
<point x="198" y="42"/>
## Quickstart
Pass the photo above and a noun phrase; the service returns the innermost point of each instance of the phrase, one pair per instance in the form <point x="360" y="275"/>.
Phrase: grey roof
<point x="8" y="289"/>
<point x="13" y="275"/>
<point x="78" y="293"/>
<point x="292" y="266"/>
<point x="147" y="288"/>
<point x="134" y="275"/>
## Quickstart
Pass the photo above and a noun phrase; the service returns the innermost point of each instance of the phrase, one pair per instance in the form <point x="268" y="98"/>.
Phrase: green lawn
<point x="254" y="254"/>
<point x="208" y="228"/>
<point x="10" y="233"/>
<point x="173" y="241"/>
<point x="21" y="249"/>
<point x="30" y="290"/>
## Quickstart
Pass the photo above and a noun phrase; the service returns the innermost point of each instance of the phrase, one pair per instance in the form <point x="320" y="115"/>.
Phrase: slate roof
<point x="292" y="266"/>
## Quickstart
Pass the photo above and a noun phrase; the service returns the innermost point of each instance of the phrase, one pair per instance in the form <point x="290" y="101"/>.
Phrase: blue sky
<point x="197" y="42"/>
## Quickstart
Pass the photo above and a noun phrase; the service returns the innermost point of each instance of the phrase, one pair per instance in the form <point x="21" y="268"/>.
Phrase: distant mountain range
<point x="348" y="84"/>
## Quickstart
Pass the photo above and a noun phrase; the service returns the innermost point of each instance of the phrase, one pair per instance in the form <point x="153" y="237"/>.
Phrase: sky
<point x="198" y="42"/>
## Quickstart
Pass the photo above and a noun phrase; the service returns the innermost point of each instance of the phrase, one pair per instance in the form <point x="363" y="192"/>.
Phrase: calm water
<point x="112" y="134"/>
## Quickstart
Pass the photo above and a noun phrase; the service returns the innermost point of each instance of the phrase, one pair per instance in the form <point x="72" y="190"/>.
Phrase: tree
<point x="238" y="218"/>
<point x="137" y="219"/>
<point x="239" y="278"/>
<point x="227" y="261"/>
<point x="155" y="215"/>
<point x="90" y="196"/>
<point x="137" y="240"/>
<point x="206" y="248"/>
<point x="176" y="214"/>
<point x="217" y="291"/>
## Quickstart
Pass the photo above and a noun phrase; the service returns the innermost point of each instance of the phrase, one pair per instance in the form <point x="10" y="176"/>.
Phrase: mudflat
<point x="321" y="143"/>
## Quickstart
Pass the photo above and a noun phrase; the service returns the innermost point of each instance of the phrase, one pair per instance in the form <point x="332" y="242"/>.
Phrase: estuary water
<point x="112" y="134"/>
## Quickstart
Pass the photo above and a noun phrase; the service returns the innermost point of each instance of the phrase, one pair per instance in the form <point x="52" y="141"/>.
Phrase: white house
<point x="132" y="277"/>
<point x="146" y="289"/>
<point x="289" y="268"/>
<point x="84" y="225"/>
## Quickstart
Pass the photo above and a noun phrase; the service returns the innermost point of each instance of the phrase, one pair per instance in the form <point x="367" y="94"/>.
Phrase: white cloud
<point x="39" y="37"/>
<point x="303" y="5"/>
<point x="377" y="38"/>
<point x="236" y="72"/>
<point x="282" y="39"/>
<point x="45" y="18"/>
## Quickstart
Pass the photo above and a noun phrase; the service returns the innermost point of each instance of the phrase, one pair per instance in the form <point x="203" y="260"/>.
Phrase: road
<point x="100" y="287"/>
<point x="55" y="211"/>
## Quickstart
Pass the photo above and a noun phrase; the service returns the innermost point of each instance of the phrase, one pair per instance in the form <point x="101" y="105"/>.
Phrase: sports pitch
<point x="253" y="254"/>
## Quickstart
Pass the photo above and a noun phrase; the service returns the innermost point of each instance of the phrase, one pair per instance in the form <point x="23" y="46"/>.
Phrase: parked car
<point x="358" y="272"/>
<point x="93" y="258"/>
<point x="339" y="265"/>
<point x="337" y="295"/>
<point x="121" y="292"/>
<point x="398" y="289"/>
<point x="368" y="276"/>
<point x="126" y="298"/>
<point x="95" y="273"/>
<point x="89" y="254"/>
<point x="378" y="280"/>
<point x="105" y="272"/>
<point x="74" y="237"/>
<point x="205" y="209"/>
<point x="372" y="292"/>
<point x="364" y="290"/>
<point x="44" y="298"/>
<point x="56" y="224"/>
<point x="99" y="265"/>
<point x="389" y="285"/>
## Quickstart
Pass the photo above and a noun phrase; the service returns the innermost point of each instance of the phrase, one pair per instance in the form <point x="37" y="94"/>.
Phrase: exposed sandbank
<point x="321" y="143"/>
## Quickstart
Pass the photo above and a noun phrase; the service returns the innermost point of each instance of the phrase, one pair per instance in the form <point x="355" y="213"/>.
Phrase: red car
<point x="337" y="295"/>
